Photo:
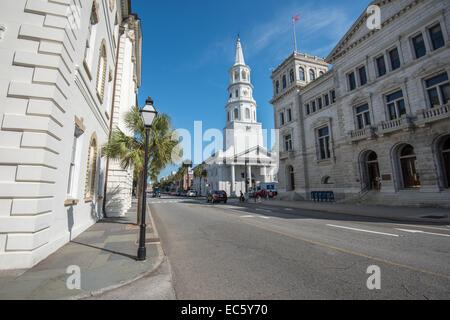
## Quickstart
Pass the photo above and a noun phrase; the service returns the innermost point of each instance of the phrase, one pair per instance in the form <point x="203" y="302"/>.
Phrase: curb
<point x="361" y="215"/>
<point x="159" y="262"/>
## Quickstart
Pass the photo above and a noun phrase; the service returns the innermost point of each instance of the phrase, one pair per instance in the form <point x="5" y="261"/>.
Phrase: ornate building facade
<point x="374" y="127"/>
<point x="65" y="81"/>
<point x="243" y="162"/>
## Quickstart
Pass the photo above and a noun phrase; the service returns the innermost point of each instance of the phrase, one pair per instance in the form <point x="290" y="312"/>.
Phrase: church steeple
<point x="243" y="131"/>
<point x="240" y="107"/>
<point x="239" y="60"/>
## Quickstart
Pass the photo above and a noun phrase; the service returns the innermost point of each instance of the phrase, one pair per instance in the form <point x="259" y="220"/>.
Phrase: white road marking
<point x="420" y="231"/>
<point x="247" y="216"/>
<point x="288" y="209"/>
<point x="264" y="210"/>
<point x="263" y="217"/>
<point x="362" y="230"/>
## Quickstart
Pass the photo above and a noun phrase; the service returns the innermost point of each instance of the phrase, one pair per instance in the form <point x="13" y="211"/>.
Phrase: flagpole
<point x="295" y="38"/>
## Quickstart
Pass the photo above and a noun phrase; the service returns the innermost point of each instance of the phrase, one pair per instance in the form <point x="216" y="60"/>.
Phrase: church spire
<point x="239" y="60"/>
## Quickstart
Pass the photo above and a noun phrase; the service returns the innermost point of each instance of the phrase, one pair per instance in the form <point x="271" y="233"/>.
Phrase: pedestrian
<point x="241" y="197"/>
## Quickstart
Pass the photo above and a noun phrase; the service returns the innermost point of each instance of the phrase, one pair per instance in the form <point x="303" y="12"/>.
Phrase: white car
<point x="191" y="193"/>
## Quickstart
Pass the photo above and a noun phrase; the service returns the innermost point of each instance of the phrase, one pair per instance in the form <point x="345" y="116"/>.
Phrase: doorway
<point x="408" y="163"/>
<point x="373" y="170"/>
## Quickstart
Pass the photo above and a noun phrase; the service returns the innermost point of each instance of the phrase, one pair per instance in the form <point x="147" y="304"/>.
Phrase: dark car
<point x="156" y="192"/>
<point x="217" y="196"/>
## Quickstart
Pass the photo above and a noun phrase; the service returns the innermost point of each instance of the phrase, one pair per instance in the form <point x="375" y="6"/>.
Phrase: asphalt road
<point x="225" y="251"/>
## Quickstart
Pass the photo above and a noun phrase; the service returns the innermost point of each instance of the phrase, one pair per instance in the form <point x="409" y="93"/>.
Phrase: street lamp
<point x="148" y="114"/>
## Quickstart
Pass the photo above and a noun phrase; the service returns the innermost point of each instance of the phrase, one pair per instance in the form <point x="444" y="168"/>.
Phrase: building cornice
<point x="343" y="47"/>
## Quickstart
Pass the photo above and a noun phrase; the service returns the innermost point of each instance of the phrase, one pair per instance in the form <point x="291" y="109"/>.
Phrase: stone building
<point x="64" y="64"/>
<point x="243" y="162"/>
<point x="375" y="126"/>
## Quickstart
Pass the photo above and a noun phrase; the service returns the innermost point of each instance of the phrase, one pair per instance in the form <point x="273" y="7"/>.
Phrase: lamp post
<point x="148" y="114"/>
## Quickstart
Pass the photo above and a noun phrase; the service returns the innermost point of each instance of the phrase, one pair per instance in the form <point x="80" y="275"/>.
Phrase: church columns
<point x="233" y="181"/>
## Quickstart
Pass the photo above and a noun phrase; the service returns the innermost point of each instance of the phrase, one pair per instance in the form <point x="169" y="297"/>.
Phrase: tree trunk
<point x="139" y="191"/>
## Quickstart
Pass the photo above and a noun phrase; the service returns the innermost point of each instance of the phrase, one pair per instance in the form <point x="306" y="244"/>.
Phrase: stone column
<point x="249" y="175"/>
<point x="233" y="181"/>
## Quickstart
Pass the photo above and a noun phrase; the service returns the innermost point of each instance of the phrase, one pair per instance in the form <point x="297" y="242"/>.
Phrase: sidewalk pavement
<point x="106" y="254"/>
<point x="409" y="214"/>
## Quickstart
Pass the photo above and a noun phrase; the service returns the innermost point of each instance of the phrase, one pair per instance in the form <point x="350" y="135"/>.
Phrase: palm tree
<point x="130" y="150"/>
<point x="200" y="172"/>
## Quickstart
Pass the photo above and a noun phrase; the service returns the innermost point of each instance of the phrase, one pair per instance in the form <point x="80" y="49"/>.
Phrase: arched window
<point x="284" y="82"/>
<point x="312" y="75"/>
<point x="101" y="73"/>
<point x="91" y="169"/>
<point x="277" y="87"/>
<point x="408" y="165"/>
<point x="236" y="75"/>
<point x="290" y="178"/>
<point x="237" y="93"/>
<point x="445" y="154"/>
<point x="292" y="76"/>
<point x="301" y="73"/>
<point x="247" y="113"/>
<point x="236" y="114"/>
<point x="228" y="116"/>
<point x="321" y="73"/>
<point x="244" y="75"/>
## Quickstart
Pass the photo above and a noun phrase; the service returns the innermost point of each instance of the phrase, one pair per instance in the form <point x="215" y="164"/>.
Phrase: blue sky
<point x="188" y="47"/>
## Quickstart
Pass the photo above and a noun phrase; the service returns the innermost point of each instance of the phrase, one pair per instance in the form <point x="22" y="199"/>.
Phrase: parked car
<point x="183" y="193"/>
<point x="217" y="196"/>
<point x="192" y="193"/>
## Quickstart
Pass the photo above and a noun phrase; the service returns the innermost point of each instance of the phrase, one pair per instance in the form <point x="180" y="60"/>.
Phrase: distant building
<point x="58" y="82"/>
<point x="376" y="127"/>
<point x="244" y="159"/>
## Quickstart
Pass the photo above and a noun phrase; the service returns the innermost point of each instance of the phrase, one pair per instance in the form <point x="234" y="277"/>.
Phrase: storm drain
<point x="150" y="240"/>
<point x="435" y="217"/>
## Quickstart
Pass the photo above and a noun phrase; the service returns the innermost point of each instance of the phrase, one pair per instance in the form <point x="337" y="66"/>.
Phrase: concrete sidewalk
<point x="409" y="214"/>
<point x="105" y="253"/>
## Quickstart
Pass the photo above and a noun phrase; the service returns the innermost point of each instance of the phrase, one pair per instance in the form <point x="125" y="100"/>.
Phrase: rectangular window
<point x="362" y="75"/>
<point x="324" y="143"/>
<point x="381" y="66"/>
<point x="396" y="105"/>
<point x="395" y="59"/>
<point x="419" y="46"/>
<point x="438" y="89"/>
<point x="307" y="109"/>
<point x="288" y="143"/>
<point x="436" y="37"/>
<point x="313" y="106"/>
<point x="327" y="100"/>
<point x="289" y="115"/>
<point x="282" y="118"/>
<point x="363" y="116"/>
<point x="319" y="103"/>
<point x="352" y="81"/>
<point x="333" y="96"/>
<point x="73" y="168"/>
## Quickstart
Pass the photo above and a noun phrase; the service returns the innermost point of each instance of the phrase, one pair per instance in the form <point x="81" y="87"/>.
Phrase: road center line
<point x="249" y="216"/>
<point x="362" y="230"/>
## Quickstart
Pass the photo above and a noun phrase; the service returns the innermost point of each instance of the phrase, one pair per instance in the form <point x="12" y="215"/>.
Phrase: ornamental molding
<point x="343" y="48"/>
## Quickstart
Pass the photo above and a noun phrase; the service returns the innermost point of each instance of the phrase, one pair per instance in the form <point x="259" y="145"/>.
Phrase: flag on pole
<point x="294" y="20"/>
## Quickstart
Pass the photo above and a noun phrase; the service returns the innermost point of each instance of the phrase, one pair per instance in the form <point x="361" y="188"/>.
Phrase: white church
<point x="244" y="162"/>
